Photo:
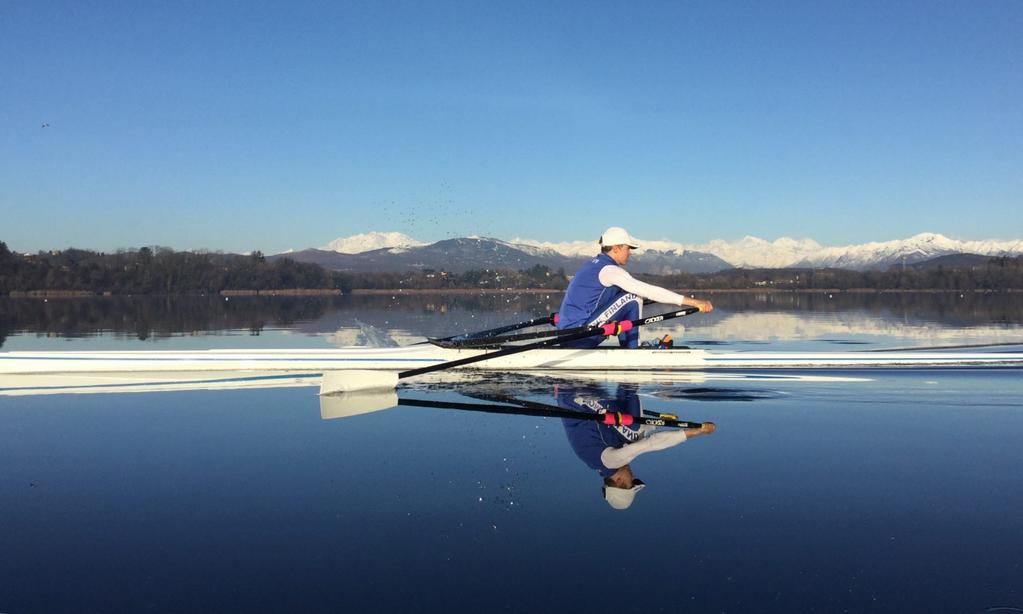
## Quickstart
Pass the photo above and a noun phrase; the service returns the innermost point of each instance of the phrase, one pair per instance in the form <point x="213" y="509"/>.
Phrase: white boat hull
<point x="386" y="359"/>
<point x="403" y="358"/>
<point x="31" y="373"/>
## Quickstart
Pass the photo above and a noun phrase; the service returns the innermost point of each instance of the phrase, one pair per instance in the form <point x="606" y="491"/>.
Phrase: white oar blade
<point x="355" y="381"/>
<point x="349" y="404"/>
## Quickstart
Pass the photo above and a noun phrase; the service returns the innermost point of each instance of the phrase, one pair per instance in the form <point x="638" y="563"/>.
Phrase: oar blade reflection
<point x="348" y="404"/>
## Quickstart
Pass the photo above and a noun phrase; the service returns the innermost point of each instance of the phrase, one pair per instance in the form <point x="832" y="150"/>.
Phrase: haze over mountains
<point x="393" y="251"/>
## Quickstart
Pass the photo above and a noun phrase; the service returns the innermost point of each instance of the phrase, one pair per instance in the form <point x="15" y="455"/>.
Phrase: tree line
<point x="995" y="274"/>
<point x="163" y="271"/>
<point x="152" y="271"/>
<point x="159" y="270"/>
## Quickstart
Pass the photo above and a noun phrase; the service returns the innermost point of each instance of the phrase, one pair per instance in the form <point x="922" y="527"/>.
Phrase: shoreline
<point x="334" y="292"/>
<point x="381" y="291"/>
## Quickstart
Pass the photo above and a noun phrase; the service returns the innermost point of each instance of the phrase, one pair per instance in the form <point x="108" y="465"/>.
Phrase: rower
<point x="603" y="291"/>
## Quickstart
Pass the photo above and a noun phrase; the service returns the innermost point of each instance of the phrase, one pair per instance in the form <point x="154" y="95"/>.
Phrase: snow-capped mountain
<point x="356" y="244"/>
<point x="659" y="256"/>
<point x="752" y="252"/>
<point x="918" y="248"/>
<point x="755" y="253"/>
<point x="478" y="253"/>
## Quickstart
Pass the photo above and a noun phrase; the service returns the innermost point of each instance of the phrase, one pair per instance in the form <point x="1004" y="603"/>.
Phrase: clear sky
<point x="254" y="125"/>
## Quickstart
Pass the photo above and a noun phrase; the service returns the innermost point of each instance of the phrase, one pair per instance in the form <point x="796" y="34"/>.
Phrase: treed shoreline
<point x="161" y="271"/>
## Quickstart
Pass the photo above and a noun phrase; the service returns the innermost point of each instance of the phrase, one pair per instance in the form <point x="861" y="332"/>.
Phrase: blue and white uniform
<point x="601" y="292"/>
<point x="590" y="439"/>
<point x="606" y="448"/>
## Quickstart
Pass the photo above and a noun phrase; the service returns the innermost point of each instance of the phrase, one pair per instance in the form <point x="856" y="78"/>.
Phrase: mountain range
<point x="393" y="251"/>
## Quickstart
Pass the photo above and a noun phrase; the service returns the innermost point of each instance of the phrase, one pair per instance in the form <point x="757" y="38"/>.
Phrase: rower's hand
<point x="705" y="429"/>
<point x="704" y="306"/>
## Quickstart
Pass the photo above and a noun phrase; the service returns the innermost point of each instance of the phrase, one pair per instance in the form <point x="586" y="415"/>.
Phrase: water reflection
<point x="607" y="427"/>
<point x="610" y="448"/>
<point x="739" y="318"/>
<point x="346" y="320"/>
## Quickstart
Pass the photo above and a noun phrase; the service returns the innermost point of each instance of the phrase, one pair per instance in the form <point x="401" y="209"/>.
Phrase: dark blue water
<point x="898" y="493"/>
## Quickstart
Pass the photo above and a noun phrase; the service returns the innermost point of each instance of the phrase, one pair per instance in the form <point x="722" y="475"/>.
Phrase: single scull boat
<point x="416" y="356"/>
<point x="359" y="368"/>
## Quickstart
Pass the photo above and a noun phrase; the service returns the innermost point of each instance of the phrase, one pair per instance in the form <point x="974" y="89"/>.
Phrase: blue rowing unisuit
<point x="586" y="297"/>
<point x="589" y="438"/>
<point x="585" y="292"/>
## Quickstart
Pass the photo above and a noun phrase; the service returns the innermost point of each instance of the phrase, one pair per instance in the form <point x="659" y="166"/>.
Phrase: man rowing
<point x="603" y="291"/>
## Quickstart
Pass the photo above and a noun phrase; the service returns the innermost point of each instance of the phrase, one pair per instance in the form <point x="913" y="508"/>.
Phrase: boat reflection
<point x="606" y="425"/>
<point x="347" y="405"/>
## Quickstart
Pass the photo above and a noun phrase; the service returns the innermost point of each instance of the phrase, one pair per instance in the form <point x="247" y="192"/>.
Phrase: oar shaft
<point x="653" y="418"/>
<point x="503" y="352"/>
<point x="609" y="418"/>
<point x="502" y="339"/>
<point x="611" y="328"/>
<point x="494" y="336"/>
<point x="551" y="319"/>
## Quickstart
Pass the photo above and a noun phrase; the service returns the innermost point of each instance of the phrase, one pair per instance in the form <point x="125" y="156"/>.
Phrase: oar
<point x="503" y="339"/>
<point x="352" y="380"/>
<point x="491" y="337"/>
<point x="537" y="406"/>
<point x="551" y="411"/>
<point x="454" y="339"/>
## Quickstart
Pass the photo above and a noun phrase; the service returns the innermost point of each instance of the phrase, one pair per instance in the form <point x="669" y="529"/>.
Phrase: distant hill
<point x="748" y="252"/>
<point x="161" y="271"/>
<point x="480" y="253"/>
<point x="951" y="261"/>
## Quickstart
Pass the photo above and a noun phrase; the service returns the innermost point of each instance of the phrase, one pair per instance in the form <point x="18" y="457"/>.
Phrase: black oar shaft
<point x="503" y="352"/>
<point x="609" y="418"/>
<point x="502" y="339"/>
<point x="654" y="418"/>
<point x="551" y="319"/>
<point x="494" y="337"/>
<point x="609" y="329"/>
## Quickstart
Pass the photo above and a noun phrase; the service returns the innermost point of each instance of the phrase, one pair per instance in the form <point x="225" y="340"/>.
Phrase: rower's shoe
<point x="664" y="343"/>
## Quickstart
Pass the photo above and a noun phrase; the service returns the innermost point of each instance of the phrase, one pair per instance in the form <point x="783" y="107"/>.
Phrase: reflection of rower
<point x="606" y="433"/>
<point x="609" y="449"/>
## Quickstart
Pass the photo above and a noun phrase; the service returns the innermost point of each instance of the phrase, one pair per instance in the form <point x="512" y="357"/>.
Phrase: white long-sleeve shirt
<point x="651" y="440"/>
<point x="614" y="275"/>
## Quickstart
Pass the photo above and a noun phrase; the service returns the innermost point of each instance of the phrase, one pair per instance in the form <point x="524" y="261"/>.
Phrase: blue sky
<point x="252" y="125"/>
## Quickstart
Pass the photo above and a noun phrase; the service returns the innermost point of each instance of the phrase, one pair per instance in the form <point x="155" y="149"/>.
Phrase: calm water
<point x="874" y="491"/>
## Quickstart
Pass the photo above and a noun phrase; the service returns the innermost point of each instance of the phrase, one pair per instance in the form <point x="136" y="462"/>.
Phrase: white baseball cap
<point x="621" y="498"/>
<point x="617" y="236"/>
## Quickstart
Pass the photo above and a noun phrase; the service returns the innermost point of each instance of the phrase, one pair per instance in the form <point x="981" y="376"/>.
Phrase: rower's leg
<point x="619" y="306"/>
<point x="630" y="311"/>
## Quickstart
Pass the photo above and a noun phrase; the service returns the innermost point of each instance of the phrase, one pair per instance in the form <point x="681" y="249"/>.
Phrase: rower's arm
<point x="614" y="275"/>
<point x="613" y="458"/>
